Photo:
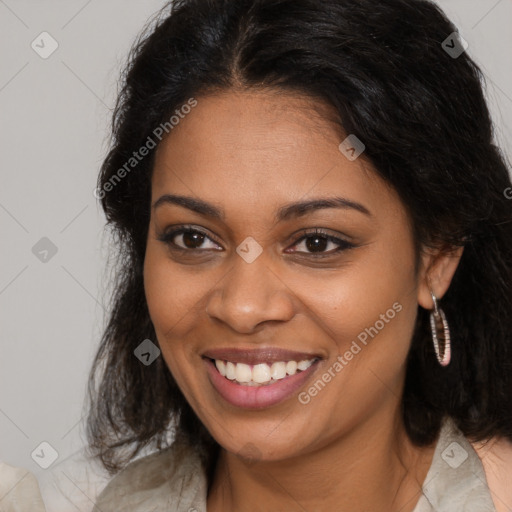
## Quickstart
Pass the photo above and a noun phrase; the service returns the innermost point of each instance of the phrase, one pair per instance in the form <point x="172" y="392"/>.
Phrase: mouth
<point x="261" y="374"/>
<point x="258" y="378"/>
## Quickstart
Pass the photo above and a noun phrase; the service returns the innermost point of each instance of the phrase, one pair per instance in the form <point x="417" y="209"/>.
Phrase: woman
<point x="313" y="309"/>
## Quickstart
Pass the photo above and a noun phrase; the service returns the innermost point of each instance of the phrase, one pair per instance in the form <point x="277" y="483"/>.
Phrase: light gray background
<point x="54" y="116"/>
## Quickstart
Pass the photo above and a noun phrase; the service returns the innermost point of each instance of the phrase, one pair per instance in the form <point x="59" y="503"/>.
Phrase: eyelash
<point x="343" y="244"/>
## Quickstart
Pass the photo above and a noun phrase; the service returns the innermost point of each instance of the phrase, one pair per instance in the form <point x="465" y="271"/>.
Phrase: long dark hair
<point x="422" y="116"/>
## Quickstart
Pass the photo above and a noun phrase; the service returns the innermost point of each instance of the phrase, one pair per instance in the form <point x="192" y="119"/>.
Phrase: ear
<point x="436" y="272"/>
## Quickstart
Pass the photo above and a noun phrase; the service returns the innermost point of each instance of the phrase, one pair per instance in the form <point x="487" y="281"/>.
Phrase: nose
<point x="250" y="294"/>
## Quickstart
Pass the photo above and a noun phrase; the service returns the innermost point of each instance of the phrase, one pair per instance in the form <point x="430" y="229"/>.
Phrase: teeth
<point x="230" y="371"/>
<point x="221" y="366"/>
<point x="260" y="373"/>
<point x="304" y="365"/>
<point x="278" y="371"/>
<point x="243" y="373"/>
<point x="291" y="367"/>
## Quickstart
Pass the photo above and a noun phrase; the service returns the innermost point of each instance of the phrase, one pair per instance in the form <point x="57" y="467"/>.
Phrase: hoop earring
<point x="440" y="333"/>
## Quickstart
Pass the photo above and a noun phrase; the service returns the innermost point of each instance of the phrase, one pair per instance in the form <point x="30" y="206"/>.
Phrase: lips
<point x="249" y="394"/>
<point x="260" y="355"/>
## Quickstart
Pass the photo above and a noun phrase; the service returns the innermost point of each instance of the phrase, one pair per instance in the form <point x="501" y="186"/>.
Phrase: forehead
<point x="255" y="149"/>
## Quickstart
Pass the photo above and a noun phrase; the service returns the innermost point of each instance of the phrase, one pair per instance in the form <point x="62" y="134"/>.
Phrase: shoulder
<point x="174" y="473"/>
<point x="73" y="482"/>
<point x="496" y="457"/>
<point x="19" y="490"/>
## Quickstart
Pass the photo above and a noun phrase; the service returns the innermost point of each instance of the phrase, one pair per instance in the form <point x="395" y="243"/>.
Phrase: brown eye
<point x="192" y="240"/>
<point x="316" y="243"/>
<point x="319" y="243"/>
<point x="188" y="239"/>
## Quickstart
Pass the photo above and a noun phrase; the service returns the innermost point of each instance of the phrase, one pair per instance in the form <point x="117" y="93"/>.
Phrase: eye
<point x="186" y="238"/>
<point x="318" y="243"/>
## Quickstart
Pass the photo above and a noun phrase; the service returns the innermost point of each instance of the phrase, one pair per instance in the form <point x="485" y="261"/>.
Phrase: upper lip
<point x="258" y="355"/>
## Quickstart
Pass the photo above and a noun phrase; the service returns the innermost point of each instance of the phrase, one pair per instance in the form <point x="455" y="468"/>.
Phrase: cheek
<point x="172" y="296"/>
<point x="366" y="312"/>
<point x="174" y="299"/>
<point x="367" y="316"/>
<point x="352" y="299"/>
<point x="173" y="293"/>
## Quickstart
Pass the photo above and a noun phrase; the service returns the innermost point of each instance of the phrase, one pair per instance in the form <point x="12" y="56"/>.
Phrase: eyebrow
<point x="286" y="212"/>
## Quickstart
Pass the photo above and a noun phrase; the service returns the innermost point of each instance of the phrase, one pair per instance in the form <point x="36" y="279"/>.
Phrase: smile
<point x="260" y="374"/>
<point x="258" y="378"/>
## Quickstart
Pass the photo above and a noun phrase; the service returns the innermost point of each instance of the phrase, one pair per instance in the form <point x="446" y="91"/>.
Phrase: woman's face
<point x="256" y="289"/>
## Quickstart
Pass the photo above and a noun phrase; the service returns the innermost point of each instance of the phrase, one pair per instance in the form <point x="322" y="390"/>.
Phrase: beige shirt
<point x="173" y="480"/>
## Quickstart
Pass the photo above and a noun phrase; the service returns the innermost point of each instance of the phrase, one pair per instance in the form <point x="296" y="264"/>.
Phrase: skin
<point x="496" y="457"/>
<point x="249" y="153"/>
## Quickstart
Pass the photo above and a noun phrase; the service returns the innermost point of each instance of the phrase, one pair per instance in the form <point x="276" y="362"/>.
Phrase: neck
<point x="372" y="467"/>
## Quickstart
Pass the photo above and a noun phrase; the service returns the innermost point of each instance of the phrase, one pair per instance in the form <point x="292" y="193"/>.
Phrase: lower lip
<point x="257" y="397"/>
